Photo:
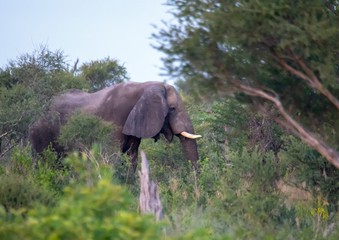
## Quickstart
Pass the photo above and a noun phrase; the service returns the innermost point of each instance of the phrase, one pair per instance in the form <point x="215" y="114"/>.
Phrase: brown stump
<point x="149" y="200"/>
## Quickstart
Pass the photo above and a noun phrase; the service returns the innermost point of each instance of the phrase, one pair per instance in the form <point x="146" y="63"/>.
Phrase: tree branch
<point x="330" y="154"/>
<point x="7" y="150"/>
<point x="5" y="134"/>
<point x="317" y="84"/>
<point x="309" y="77"/>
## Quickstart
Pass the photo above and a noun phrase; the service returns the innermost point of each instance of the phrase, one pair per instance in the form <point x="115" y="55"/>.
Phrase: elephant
<point x="138" y="110"/>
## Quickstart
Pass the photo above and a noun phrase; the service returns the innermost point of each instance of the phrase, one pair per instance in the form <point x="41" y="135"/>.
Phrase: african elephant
<point x="138" y="110"/>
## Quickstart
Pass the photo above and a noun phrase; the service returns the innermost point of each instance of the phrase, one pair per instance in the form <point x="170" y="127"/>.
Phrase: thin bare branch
<point x="7" y="150"/>
<point x="5" y="134"/>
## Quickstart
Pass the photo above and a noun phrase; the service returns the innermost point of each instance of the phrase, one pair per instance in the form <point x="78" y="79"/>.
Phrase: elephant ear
<point x="148" y="115"/>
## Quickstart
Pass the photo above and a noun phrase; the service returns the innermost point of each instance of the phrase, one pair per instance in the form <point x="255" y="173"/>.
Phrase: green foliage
<point x="91" y="207"/>
<point x="83" y="130"/>
<point x="103" y="73"/>
<point x="230" y="116"/>
<point x="271" y="54"/>
<point x="238" y="36"/>
<point x="237" y="198"/>
<point x="96" y="212"/>
<point x="50" y="173"/>
<point x="306" y="165"/>
<point x="89" y="166"/>
<point x="19" y="189"/>
<point x="28" y="83"/>
<point x="246" y="160"/>
<point x="237" y="193"/>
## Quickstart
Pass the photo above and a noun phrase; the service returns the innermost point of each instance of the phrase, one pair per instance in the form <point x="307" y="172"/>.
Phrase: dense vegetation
<point x="282" y="55"/>
<point x="258" y="179"/>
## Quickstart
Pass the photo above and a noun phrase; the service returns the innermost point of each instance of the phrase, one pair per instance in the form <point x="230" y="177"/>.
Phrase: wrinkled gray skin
<point x="138" y="110"/>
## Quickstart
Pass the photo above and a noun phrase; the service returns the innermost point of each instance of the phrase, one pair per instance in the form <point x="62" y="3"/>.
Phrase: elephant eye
<point x="172" y="109"/>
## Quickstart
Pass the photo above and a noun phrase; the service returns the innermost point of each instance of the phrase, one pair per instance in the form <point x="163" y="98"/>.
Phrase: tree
<point x="103" y="73"/>
<point x="27" y="85"/>
<point x="280" y="57"/>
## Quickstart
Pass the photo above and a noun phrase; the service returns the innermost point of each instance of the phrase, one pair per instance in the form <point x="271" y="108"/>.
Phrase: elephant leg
<point x="133" y="153"/>
<point x="126" y="143"/>
<point x="130" y="146"/>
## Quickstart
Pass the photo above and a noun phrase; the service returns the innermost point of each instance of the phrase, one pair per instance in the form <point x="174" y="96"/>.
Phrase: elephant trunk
<point x="190" y="150"/>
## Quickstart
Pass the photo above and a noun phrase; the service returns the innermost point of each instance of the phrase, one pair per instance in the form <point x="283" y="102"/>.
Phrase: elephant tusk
<point x="190" y="135"/>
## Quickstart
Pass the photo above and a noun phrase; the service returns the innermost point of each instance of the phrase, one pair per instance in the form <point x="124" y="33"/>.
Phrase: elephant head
<point x="138" y="110"/>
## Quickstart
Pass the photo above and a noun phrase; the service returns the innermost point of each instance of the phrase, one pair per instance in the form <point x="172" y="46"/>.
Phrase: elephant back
<point x="69" y="103"/>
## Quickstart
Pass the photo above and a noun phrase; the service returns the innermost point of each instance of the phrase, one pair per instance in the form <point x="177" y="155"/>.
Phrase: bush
<point x="89" y="208"/>
<point x="235" y="196"/>
<point x="96" y="212"/>
<point x="83" y="130"/>
<point x="19" y="191"/>
<point x="309" y="167"/>
<point x="236" y="193"/>
<point x="20" y="183"/>
<point x="50" y="173"/>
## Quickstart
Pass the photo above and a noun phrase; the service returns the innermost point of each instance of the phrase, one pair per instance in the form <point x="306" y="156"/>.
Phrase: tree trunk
<point x="149" y="200"/>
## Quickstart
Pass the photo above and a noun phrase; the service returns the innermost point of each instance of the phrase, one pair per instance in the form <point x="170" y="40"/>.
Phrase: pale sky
<point x="86" y="29"/>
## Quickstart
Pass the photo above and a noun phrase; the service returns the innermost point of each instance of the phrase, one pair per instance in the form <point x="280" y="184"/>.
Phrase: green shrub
<point x="88" y="167"/>
<point x="307" y="166"/>
<point x="96" y="212"/>
<point x="20" y="191"/>
<point x="83" y="130"/>
<point x="21" y="161"/>
<point x="89" y="208"/>
<point x="50" y="173"/>
<point x="22" y="185"/>
<point x="235" y="194"/>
